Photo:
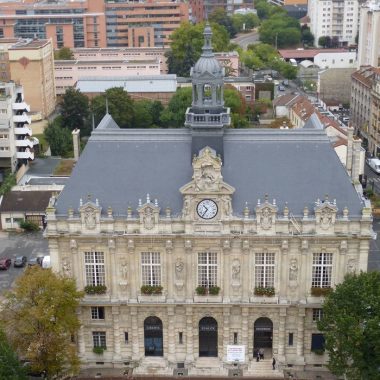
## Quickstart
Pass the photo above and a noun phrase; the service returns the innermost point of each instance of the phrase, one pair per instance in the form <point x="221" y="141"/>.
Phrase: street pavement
<point x="245" y="39"/>
<point x="13" y="244"/>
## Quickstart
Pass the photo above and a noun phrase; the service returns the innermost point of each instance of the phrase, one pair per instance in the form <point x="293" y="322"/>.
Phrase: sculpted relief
<point x="180" y="274"/>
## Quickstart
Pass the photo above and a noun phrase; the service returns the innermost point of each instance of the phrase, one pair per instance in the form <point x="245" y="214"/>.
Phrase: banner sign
<point x="236" y="353"/>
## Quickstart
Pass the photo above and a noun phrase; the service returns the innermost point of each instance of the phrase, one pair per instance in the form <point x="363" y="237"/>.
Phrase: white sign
<point x="236" y="353"/>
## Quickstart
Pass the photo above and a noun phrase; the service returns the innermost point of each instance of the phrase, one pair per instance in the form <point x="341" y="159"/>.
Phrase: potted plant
<point x="95" y="289"/>
<point x="214" y="290"/>
<point x="201" y="290"/>
<point x="98" y="350"/>
<point x="151" y="289"/>
<point x="263" y="291"/>
<point x="320" y="292"/>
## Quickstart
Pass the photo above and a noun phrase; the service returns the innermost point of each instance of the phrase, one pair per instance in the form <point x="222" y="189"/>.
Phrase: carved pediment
<point x="266" y="214"/>
<point x="149" y="215"/>
<point x="325" y="213"/>
<point x="207" y="176"/>
<point x="90" y="214"/>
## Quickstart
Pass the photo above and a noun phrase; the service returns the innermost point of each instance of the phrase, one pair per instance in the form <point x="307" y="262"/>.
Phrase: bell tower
<point x="207" y="117"/>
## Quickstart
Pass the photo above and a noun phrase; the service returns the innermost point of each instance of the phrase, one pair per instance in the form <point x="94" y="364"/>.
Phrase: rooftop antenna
<point x="93" y="121"/>
<point x="106" y="105"/>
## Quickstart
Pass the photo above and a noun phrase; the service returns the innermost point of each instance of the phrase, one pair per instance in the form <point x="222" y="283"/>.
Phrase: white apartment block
<point x="337" y="19"/>
<point x="16" y="143"/>
<point x="369" y="34"/>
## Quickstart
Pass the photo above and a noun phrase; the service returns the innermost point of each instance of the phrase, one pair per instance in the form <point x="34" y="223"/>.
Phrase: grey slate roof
<point x="107" y="123"/>
<point x="295" y="166"/>
<point x="313" y="122"/>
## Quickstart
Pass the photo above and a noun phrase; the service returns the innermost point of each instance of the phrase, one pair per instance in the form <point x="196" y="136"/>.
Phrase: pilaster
<point x="189" y="335"/>
<point x="300" y="336"/>
<point x="135" y="334"/>
<point x="226" y="270"/>
<point x="226" y="331"/>
<point x="171" y="334"/>
<point x="116" y="334"/>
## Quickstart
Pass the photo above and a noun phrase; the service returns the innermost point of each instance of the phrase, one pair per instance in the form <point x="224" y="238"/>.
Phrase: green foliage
<point x="235" y="101"/>
<point x="250" y="21"/>
<point x="350" y="325"/>
<point x="324" y="41"/>
<point x="95" y="289"/>
<point x="261" y="291"/>
<point x="318" y="351"/>
<point x="151" y="289"/>
<point x="10" y="367"/>
<point x="98" y="350"/>
<point x="280" y="30"/>
<point x="74" y="108"/>
<point x="27" y="225"/>
<point x="306" y="36"/>
<point x="320" y="292"/>
<point x="201" y="290"/>
<point x="186" y="46"/>
<point x="263" y="9"/>
<point x="63" y="54"/>
<point x="214" y="290"/>
<point x="59" y="139"/>
<point x="173" y="116"/>
<point x="147" y="114"/>
<point x="39" y="317"/>
<point x="220" y="17"/>
<point x="120" y="106"/>
<point x="8" y="183"/>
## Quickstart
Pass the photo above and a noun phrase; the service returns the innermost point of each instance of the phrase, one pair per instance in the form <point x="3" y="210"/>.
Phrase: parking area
<point x="14" y="244"/>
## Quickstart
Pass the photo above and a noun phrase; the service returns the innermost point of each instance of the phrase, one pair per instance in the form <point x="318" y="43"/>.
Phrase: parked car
<point x="281" y="88"/>
<point x="34" y="261"/>
<point x="5" y="263"/>
<point x="19" y="261"/>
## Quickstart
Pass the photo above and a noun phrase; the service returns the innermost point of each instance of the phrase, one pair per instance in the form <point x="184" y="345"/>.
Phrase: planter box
<point x="152" y="298"/>
<point x="264" y="299"/>
<point x="207" y="298"/>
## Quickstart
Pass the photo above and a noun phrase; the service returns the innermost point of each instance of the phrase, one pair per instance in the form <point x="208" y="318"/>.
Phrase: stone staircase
<point x="262" y="370"/>
<point x="154" y="366"/>
<point x="205" y="366"/>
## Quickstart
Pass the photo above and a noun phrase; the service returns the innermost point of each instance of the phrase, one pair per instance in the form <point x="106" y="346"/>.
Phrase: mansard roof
<point x="296" y="167"/>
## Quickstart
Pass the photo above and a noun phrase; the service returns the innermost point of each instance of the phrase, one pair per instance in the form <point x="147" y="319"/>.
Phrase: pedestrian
<point x="261" y="352"/>
<point x="258" y="356"/>
<point x="274" y="363"/>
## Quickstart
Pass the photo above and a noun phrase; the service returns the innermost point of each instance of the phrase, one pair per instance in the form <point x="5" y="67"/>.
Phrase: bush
<point x="201" y="290"/>
<point x="214" y="290"/>
<point x="318" y="351"/>
<point x="261" y="291"/>
<point x="95" y="289"/>
<point x="98" y="350"/>
<point x="320" y="292"/>
<point x="151" y="289"/>
<point x="8" y="183"/>
<point x="27" y="225"/>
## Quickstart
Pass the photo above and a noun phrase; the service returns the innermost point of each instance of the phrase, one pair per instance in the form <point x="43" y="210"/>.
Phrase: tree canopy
<point x="173" y="116"/>
<point x="64" y="53"/>
<point x="245" y="22"/>
<point x="39" y="318"/>
<point x="220" y="17"/>
<point x="10" y="367"/>
<point x="74" y="107"/>
<point x="186" y="46"/>
<point x="59" y="138"/>
<point x="351" y="327"/>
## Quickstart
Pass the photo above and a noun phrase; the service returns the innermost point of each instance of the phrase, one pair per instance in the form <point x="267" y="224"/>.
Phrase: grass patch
<point x="64" y="168"/>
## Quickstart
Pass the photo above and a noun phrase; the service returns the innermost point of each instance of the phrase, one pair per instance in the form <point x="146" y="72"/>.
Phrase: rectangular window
<point x="207" y="269"/>
<point x="180" y="337"/>
<point x="317" y="315"/>
<point x="151" y="268"/>
<point x="97" y="312"/>
<point x="290" y="339"/>
<point x="235" y="338"/>
<point x="99" y="339"/>
<point x="264" y="270"/>
<point x="322" y="267"/>
<point x="94" y="264"/>
<point x="126" y="338"/>
<point x="317" y="342"/>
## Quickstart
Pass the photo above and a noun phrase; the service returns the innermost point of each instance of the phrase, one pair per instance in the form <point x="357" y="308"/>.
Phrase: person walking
<point x="274" y="364"/>
<point x="261" y="352"/>
<point x="258" y="356"/>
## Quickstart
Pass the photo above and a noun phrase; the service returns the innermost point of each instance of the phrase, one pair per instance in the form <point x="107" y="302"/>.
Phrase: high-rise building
<point x="369" y="34"/>
<point x="31" y="64"/>
<point x="16" y="143"/>
<point x="202" y="245"/>
<point x="337" y="19"/>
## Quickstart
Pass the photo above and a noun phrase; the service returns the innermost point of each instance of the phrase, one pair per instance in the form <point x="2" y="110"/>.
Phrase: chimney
<point x="350" y="138"/>
<point x="76" y="143"/>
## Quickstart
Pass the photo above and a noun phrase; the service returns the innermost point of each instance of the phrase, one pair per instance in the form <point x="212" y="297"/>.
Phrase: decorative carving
<point x="179" y="274"/>
<point x="266" y="219"/>
<point x="186" y="207"/>
<point x="124" y="270"/>
<point x="89" y="218"/>
<point x="293" y="270"/>
<point x="227" y="208"/>
<point x="148" y="219"/>
<point x="351" y="266"/>
<point x="24" y="62"/>
<point x="266" y="214"/>
<point x="66" y="267"/>
<point x="235" y="272"/>
<point x="90" y="213"/>
<point x="325" y="213"/>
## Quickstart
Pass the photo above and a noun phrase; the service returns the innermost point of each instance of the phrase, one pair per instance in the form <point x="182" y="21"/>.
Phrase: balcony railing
<point x="24" y="118"/>
<point x="22" y="106"/>
<point x="23" y="131"/>
<point x="25" y="155"/>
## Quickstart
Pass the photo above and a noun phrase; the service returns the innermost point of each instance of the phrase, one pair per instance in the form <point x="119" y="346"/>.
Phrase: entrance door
<point x="263" y="333"/>
<point x="153" y="340"/>
<point x="208" y="337"/>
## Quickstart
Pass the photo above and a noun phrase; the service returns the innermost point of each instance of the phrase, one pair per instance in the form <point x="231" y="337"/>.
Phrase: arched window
<point x="153" y="340"/>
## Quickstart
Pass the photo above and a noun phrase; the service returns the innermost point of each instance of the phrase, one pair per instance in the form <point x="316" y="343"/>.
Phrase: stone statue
<point x="186" y="207"/>
<point x="89" y="218"/>
<point x="236" y="271"/>
<point x="66" y="267"/>
<point x="266" y="218"/>
<point x="124" y="270"/>
<point x="351" y="266"/>
<point x="148" y="219"/>
<point x="293" y="270"/>
<point x="227" y="206"/>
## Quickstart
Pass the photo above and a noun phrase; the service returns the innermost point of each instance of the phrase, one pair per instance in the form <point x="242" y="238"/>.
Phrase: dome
<point x="207" y="63"/>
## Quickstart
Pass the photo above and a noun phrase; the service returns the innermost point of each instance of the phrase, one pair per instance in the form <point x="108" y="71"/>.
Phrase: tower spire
<point x="207" y="46"/>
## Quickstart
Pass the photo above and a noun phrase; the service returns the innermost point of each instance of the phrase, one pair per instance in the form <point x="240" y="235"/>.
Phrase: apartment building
<point x="369" y="34"/>
<point x="374" y="129"/>
<point x="338" y="19"/>
<point x="361" y="100"/>
<point x="93" y="23"/>
<point x="31" y="64"/>
<point x="16" y="143"/>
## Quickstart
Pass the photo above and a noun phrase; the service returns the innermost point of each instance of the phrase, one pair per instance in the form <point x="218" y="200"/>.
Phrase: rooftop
<point x="30" y="201"/>
<point x="307" y="53"/>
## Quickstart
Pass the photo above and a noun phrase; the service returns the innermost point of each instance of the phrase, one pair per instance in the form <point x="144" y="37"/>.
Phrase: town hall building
<point x="198" y="246"/>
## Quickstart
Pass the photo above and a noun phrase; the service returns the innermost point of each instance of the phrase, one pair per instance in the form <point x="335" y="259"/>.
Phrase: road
<point x="243" y="40"/>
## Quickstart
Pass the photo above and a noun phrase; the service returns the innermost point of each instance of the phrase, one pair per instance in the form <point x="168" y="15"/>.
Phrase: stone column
<point x="116" y="334"/>
<point x="190" y="276"/>
<point x="226" y="271"/>
<point x="189" y="335"/>
<point x="300" y="335"/>
<point x="135" y="334"/>
<point x="303" y="270"/>
<point x="171" y="334"/>
<point x="169" y="270"/>
<point x="113" y="273"/>
<point x="244" y="332"/>
<point x="246" y="278"/>
<point x="134" y="268"/>
<point x="81" y="340"/>
<point x="281" y="334"/>
<point x="226" y="331"/>
<point x="282" y="285"/>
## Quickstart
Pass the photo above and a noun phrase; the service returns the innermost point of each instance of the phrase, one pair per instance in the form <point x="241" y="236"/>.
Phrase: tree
<point x="307" y="36"/>
<point x="8" y="183"/>
<point x="39" y="318"/>
<point x="143" y="117"/>
<point x="174" y="114"/>
<point x="245" y="22"/>
<point x="59" y="139"/>
<point x="324" y="41"/>
<point x="219" y="16"/>
<point x="120" y="106"/>
<point x="74" y="109"/>
<point x="64" y="54"/>
<point x="186" y="46"/>
<point x="351" y="327"/>
<point x="10" y="367"/>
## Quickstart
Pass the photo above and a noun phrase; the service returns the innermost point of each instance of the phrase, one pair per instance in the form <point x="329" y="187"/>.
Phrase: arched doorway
<point x="153" y="340"/>
<point x="208" y="337"/>
<point x="263" y="333"/>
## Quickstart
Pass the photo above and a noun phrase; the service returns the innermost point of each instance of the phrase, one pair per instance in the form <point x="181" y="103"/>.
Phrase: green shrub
<point x="151" y="289"/>
<point x="201" y="290"/>
<point x="99" y="350"/>
<point x="214" y="290"/>
<point x="261" y="291"/>
<point x="8" y="183"/>
<point x="95" y="289"/>
<point x="27" y="225"/>
<point x="320" y="292"/>
<point x="318" y="351"/>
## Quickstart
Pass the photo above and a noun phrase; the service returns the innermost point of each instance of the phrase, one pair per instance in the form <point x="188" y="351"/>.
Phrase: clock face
<point x="207" y="209"/>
